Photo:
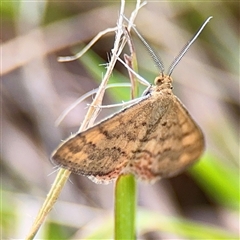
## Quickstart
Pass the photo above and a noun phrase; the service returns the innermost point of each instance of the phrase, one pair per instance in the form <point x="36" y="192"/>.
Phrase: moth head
<point x="163" y="81"/>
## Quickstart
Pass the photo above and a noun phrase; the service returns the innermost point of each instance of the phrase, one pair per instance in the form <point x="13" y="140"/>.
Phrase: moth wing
<point x="103" y="151"/>
<point x="171" y="145"/>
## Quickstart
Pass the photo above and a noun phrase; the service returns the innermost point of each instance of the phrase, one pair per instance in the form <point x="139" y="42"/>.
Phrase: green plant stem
<point x="125" y="207"/>
<point x="125" y="189"/>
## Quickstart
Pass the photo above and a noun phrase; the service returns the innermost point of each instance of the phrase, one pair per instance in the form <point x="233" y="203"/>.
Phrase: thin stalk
<point x="125" y="207"/>
<point x="52" y="197"/>
<point x="64" y="174"/>
<point x="125" y="189"/>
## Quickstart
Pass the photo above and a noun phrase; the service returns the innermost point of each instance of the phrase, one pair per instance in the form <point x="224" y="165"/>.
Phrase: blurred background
<point x="35" y="89"/>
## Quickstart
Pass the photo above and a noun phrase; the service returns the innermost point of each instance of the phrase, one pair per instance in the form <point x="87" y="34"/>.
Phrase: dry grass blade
<point x="88" y="121"/>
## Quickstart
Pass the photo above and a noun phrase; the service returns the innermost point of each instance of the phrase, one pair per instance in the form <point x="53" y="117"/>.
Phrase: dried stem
<point x="91" y="115"/>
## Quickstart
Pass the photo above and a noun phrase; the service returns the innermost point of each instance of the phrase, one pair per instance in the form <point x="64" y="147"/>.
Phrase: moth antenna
<point x="154" y="56"/>
<point x="186" y="47"/>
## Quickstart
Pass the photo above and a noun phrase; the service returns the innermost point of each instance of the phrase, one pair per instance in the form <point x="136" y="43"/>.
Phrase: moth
<point x="152" y="139"/>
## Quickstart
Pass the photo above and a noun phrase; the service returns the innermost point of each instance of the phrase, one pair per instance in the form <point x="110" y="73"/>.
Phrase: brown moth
<point x="152" y="139"/>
